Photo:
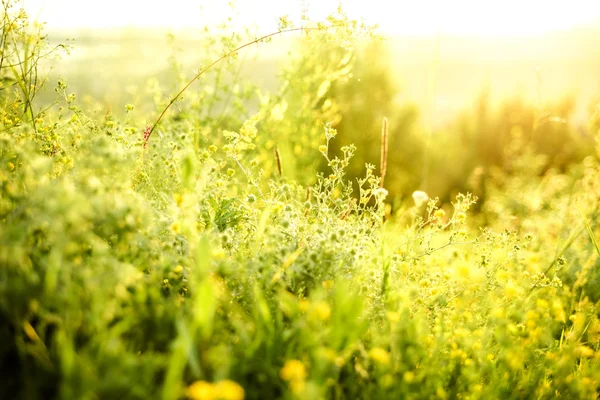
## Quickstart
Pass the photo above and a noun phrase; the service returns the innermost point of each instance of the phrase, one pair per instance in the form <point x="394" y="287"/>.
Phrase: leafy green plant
<point x="23" y="46"/>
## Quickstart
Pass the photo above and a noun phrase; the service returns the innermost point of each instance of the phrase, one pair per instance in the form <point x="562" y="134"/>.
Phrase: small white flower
<point x="420" y="198"/>
<point x="380" y="193"/>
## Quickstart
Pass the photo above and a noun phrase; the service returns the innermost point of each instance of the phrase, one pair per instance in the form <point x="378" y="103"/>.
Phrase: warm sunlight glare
<point x="462" y="17"/>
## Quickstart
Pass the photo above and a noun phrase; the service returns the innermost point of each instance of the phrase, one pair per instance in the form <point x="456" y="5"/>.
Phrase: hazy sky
<point x="415" y="17"/>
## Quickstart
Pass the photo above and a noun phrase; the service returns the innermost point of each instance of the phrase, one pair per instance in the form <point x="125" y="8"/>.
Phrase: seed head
<point x="147" y="133"/>
<point x="420" y="198"/>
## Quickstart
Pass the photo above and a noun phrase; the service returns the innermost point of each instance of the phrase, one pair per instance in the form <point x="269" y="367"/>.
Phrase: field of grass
<point x="243" y="247"/>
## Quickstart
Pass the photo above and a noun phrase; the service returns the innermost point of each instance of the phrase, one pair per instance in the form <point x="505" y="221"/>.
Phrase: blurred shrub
<point x="363" y="99"/>
<point x="479" y="139"/>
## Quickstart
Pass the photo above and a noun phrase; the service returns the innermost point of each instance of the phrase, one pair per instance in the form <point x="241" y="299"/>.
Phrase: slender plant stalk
<point x="199" y="74"/>
<point x="278" y="159"/>
<point x="384" y="150"/>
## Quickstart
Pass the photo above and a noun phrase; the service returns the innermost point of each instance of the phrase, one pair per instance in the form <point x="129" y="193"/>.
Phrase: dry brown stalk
<point x="278" y="159"/>
<point x="384" y="149"/>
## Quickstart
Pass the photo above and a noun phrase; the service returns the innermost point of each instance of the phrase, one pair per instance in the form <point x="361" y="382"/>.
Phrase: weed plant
<point x="198" y="263"/>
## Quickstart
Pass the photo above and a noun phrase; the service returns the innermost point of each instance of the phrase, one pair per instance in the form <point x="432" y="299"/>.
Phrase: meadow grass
<point x="216" y="261"/>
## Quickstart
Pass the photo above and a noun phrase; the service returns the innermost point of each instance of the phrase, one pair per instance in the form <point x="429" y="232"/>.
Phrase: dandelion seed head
<point x="420" y="198"/>
<point x="380" y="193"/>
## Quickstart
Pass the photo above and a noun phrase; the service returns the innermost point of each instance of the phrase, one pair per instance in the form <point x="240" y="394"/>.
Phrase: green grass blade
<point x="590" y="232"/>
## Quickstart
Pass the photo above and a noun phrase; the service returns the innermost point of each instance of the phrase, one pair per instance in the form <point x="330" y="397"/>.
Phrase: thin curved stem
<point x="225" y="56"/>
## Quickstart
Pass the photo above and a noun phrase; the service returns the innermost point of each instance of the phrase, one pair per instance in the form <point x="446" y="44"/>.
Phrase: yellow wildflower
<point x="380" y="356"/>
<point x="229" y="390"/>
<point x="178" y="199"/>
<point x="387" y="380"/>
<point x="293" y="370"/>
<point x="178" y="269"/>
<point x="558" y="311"/>
<point x="175" y="227"/>
<point x="201" y="390"/>
<point x="541" y="304"/>
<point x="328" y="284"/>
<point x="510" y="289"/>
<point x="584" y="351"/>
<point x="321" y="311"/>
<point x="461" y="216"/>
<point x="393" y="316"/>
<point x="303" y="305"/>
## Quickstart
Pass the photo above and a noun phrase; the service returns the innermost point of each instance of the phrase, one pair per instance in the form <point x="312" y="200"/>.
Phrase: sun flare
<point x="459" y="17"/>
